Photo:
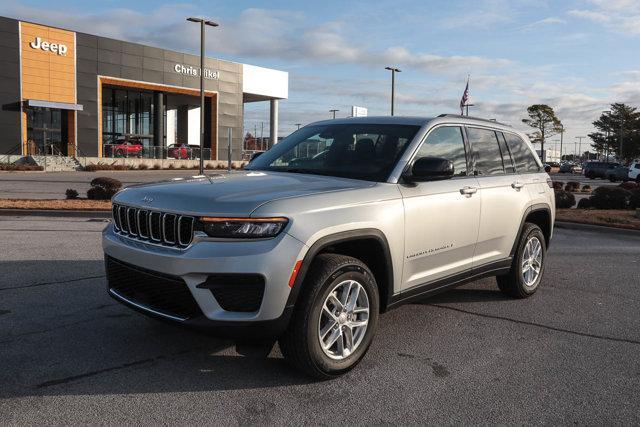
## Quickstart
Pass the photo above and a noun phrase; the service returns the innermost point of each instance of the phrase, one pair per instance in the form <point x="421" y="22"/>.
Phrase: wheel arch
<point x="368" y="245"/>
<point x="540" y="215"/>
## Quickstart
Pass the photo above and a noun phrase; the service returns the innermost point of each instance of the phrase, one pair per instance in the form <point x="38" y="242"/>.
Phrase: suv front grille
<point x="152" y="226"/>
<point x="162" y="293"/>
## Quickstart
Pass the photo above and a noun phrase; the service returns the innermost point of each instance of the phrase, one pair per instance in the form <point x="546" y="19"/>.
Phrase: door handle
<point x="468" y="191"/>
<point x="517" y="185"/>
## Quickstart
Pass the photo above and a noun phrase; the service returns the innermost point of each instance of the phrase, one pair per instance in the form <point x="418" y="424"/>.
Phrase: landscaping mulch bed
<point x="57" y="204"/>
<point x="610" y="218"/>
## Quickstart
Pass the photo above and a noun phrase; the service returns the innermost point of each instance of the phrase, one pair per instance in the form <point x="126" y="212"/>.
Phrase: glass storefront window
<point x="45" y="131"/>
<point x="127" y="118"/>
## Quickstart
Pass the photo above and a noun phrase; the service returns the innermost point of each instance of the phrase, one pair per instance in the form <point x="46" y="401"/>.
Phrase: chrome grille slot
<point x="162" y="228"/>
<point x="185" y="230"/>
<point x="155" y="226"/>
<point x="143" y="224"/>
<point x="122" y="214"/>
<point x="169" y="225"/>
<point x="116" y="218"/>
<point x="132" y="221"/>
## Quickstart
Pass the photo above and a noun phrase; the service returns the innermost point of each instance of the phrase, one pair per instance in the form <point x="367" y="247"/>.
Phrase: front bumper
<point x="273" y="259"/>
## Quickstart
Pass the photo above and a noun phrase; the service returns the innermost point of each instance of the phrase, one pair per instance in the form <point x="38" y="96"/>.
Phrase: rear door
<point x="530" y="174"/>
<point x="504" y="197"/>
<point x="441" y="217"/>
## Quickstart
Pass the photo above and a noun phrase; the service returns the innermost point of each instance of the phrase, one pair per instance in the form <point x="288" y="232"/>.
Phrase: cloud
<point x="254" y="33"/>
<point x="621" y="16"/>
<point x="551" y="20"/>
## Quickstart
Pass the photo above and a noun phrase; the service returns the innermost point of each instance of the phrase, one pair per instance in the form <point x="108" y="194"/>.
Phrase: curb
<point x="597" y="228"/>
<point x="55" y="213"/>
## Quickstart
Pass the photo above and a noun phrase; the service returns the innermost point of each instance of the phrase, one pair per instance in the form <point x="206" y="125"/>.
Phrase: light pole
<point x="298" y="124"/>
<point x="606" y="145"/>
<point x="579" y="138"/>
<point x="561" y="139"/>
<point x="202" y="23"/>
<point x="334" y="112"/>
<point x="393" y="70"/>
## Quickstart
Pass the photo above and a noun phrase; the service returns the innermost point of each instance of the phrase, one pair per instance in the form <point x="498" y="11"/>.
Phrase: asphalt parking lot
<point x="71" y="355"/>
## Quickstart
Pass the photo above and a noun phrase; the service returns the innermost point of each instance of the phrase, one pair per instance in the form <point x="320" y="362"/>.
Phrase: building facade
<point x="71" y="93"/>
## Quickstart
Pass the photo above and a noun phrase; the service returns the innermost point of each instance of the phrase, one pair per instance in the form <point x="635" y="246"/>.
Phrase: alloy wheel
<point x="343" y="320"/>
<point x="531" y="261"/>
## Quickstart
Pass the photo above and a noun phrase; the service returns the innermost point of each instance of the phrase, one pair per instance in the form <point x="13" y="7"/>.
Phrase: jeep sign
<point x="57" y="48"/>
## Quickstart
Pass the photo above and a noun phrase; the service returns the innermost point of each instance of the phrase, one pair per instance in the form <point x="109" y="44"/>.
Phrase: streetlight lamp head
<point x="397" y="70"/>
<point x="201" y="20"/>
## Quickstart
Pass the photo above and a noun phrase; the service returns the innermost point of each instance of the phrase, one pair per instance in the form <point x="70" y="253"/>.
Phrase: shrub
<point x="586" y="188"/>
<point x="106" y="167"/>
<point x="103" y="188"/>
<point x="143" y="166"/>
<point x="71" y="193"/>
<point x="209" y="166"/>
<point x="572" y="186"/>
<point x="557" y="185"/>
<point x="183" y="166"/>
<point x="565" y="199"/>
<point x="22" y="168"/>
<point x="97" y="193"/>
<point x="634" y="199"/>
<point x="610" y="198"/>
<point x="584" y="203"/>
<point x="171" y="166"/>
<point x="629" y="185"/>
<point x="157" y="166"/>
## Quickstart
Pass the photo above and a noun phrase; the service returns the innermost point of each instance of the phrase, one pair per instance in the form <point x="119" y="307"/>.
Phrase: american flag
<point x="465" y="98"/>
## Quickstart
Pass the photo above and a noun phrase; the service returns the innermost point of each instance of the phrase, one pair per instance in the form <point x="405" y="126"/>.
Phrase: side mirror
<point x="430" y="169"/>
<point x="255" y="155"/>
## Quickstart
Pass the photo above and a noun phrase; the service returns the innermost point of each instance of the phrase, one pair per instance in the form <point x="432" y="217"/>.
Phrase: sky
<point x="578" y="56"/>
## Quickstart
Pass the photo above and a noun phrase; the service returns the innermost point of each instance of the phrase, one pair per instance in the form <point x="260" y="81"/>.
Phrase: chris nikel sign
<point x="188" y="70"/>
<point x="57" y="48"/>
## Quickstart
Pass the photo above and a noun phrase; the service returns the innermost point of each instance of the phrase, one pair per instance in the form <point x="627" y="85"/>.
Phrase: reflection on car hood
<point x="233" y="194"/>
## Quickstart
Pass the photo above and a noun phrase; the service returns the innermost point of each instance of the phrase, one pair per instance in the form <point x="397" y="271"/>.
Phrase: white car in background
<point x="634" y="171"/>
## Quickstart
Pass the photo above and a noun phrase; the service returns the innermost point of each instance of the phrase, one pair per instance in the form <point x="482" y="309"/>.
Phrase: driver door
<point x="441" y="217"/>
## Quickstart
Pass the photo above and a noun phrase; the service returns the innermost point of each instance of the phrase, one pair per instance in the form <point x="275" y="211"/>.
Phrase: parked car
<point x="634" y="171"/>
<point x="618" y="173"/>
<point x="311" y="254"/>
<point x="568" y="167"/>
<point x="593" y="170"/>
<point x="124" y="147"/>
<point x="183" y="151"/>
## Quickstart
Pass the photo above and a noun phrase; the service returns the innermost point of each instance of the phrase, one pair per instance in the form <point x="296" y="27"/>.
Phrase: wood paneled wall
<point x="47" y="75"/>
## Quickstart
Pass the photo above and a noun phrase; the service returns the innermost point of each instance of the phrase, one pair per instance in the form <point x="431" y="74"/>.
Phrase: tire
<point x="612" y="179"/>
<point x="513" y="283"/>
<point x="300" y="344"/>
<point x="119" y="153"/>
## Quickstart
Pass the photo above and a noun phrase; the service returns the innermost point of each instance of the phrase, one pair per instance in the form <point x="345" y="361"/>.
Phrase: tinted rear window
<point x="486" y="151"/>
<point x="523" y="158"/>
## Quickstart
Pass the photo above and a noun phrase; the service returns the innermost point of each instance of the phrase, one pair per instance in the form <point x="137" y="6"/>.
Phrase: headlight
<point x="243" y="228"/>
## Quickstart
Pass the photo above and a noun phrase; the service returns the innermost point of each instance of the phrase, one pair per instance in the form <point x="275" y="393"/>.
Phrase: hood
<point x="237" y="194"/>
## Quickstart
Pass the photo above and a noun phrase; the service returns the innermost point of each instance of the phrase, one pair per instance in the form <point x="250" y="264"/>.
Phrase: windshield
<point x="360" y="151"/>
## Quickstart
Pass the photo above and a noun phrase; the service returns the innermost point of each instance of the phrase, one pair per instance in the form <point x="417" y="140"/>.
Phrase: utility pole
<point x="466" y="106"/>
<point x="202" y="23"/>
<point x="334" y="112"/>
<point x="621" y="137"/>
<point x="606" y="145"/>
<point x="579" y="138"/>
<point x="561" y="138"/>
<point x="393" y="70"/>
<point x="298" y="124"/>
<point x="262" y="136"/>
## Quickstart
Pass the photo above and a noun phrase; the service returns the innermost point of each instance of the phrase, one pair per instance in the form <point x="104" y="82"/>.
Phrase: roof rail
<point x="460" y="116"/>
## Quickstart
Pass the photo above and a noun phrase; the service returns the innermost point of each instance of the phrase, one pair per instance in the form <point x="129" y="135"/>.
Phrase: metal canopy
<point x="58" y="105"/>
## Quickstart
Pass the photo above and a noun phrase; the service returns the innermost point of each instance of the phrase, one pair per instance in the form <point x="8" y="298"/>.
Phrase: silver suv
<point x="341" y="221"/>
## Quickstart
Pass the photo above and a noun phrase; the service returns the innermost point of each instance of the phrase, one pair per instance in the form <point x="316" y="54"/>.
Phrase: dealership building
<point x="70" y="93"/>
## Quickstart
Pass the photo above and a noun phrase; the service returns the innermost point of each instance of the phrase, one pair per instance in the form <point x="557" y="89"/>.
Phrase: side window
<point x="486" y="151"/>
<point x="507" y="160"/>
<point x="522" y="155"/>
<point x="446" y="142"/>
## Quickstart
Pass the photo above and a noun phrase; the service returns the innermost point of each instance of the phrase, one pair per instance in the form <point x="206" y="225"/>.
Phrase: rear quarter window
<point x="522" y="156"/>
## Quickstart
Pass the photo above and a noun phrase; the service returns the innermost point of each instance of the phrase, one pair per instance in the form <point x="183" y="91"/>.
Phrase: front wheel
<point x="527" y="267"/>
<point x="335" y="317"/>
